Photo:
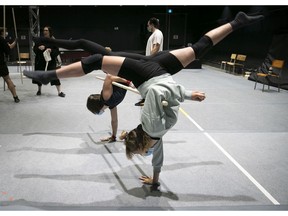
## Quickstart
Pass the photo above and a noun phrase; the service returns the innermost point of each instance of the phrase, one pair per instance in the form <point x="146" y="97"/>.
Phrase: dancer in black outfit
<point x="152" y="77"/>
<point x="111" y="96"/>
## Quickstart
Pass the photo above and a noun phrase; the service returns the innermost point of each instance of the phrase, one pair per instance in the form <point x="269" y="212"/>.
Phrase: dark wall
<point x="255" y="40"/>
<point x="124" y="27"/>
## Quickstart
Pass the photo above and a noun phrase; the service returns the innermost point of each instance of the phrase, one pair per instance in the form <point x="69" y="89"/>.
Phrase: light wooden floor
<point x="228" y="153"/>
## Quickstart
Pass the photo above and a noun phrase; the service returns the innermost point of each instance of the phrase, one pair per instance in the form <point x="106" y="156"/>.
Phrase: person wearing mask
<point x="154" y="43"/>
<point x="153" y="79"/>
<point x="110" y="96"/>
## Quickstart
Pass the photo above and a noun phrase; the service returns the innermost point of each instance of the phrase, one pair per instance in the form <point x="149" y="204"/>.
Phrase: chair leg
<point x="255" y="84"/>
<point x="256" y="81"/>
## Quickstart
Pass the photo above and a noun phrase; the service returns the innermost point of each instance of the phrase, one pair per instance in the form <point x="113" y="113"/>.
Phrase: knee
<point x="202" y="46"/>
<point x="93" y="62"/>
<point x="81" y="41"/>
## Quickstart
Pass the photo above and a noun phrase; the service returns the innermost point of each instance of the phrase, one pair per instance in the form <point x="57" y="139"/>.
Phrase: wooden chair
<point x="234" y="65"/>
<point x="24" y="59"/>
<point x="232" y="60"/>
<point x="277" y="66"/>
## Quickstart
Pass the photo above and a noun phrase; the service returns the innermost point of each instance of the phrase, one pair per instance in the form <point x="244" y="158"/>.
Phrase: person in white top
<point x="155" y="41"/>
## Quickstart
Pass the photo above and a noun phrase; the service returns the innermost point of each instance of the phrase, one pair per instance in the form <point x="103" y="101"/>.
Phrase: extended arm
<point x="114" y="122"/>
<point x="114" y="125"/>
<point x="157" y="163"/>
<point x="107" y="89"/>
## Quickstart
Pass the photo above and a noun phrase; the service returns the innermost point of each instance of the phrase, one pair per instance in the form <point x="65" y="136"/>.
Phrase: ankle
<point x="16" y="99"/>
<point x="243" y="19"/>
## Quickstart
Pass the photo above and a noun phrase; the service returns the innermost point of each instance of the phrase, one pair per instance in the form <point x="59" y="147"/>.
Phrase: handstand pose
<point x="152" y="77"/>
<point x="111" y="96"/>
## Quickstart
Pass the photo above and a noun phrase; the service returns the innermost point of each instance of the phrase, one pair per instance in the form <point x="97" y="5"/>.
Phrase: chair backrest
<point x="276" y="63"/>
<point x="241" y="57"/>
<point x="24" y="56"/>
<point x="233" y="57"/>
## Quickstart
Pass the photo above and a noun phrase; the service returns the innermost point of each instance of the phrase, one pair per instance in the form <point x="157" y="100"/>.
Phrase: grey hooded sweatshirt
<point x="157" y="119"/>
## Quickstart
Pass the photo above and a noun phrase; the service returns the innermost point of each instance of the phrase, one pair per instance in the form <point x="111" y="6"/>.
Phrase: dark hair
<point x="155" y="22"/>
<point x="94" y="103"/>
<point x="50" y="30"/>
<point x="136" y="139"/>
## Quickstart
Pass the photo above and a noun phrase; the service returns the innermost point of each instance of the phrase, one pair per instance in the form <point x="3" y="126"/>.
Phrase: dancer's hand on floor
<point x="149" y="181"/>
<point x="146" y="180"/>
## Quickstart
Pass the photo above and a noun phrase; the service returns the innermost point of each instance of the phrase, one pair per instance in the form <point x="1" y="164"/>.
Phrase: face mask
<point x="149" y="152"/>
<point x="149" y="29"/>
<point x="100" y="113"/>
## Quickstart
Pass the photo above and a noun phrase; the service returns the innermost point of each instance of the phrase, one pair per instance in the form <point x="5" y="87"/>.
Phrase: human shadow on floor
<point x="157" y="201"/>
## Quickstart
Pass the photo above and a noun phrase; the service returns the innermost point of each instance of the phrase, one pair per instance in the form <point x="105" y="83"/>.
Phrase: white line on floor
<point x="250" y="177"/>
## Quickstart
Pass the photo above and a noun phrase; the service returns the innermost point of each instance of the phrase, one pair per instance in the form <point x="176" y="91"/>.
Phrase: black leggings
<point x="140" y="71"/>
<point x="136" y="67"/>
<point x="89" y="46"/>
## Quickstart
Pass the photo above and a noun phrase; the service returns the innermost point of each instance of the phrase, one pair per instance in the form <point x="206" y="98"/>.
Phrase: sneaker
<point x="38" y="92"/>
<point x="61" y="94"/>
<point x="16" y="99"/>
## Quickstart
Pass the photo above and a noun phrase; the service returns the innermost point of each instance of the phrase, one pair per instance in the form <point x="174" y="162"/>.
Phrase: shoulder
<point x="157" y="34"/>
<point x="158" y="31"/>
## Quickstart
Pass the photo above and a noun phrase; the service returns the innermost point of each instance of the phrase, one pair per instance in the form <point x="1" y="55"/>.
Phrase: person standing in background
<point x="155" y="41"/>
<point x="5" y="48"/>
<point x="40" y="63"/>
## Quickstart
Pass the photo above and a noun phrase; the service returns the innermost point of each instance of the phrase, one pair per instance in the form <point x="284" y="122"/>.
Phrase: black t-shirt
<point x="4" y="50"/>
<point x="116" y="98"/>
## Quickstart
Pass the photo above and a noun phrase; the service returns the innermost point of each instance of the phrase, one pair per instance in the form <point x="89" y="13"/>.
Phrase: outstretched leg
<point x="87" y="45"/>
<point x="84" y="44"/>
<point x="112" y="64"/>
<point x="211" y="38"/>
<point x="109" y="64"/>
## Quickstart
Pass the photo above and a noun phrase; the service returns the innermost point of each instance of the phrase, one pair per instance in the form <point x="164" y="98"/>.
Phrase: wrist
<point x="128" y="82"/>
<point x="155" y="186"/>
